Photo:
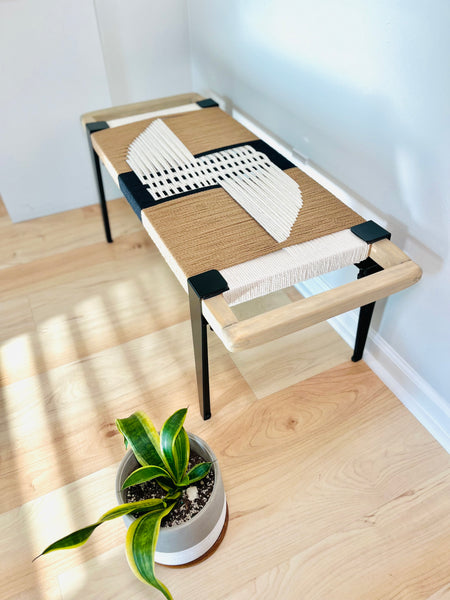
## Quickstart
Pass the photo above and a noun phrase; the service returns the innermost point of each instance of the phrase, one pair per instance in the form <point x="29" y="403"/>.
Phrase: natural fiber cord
<point x="166" y="168"/>
<point x="209" y="230"/>
<point x="291" y="265"/>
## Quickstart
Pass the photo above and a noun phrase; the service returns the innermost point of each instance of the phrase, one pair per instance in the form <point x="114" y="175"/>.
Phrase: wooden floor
<point x="335" y="491"/>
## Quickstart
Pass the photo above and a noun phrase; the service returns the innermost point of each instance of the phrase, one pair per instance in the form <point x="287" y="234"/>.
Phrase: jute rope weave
<point x="209" y="230"/>
<point x="200" y="131"/>
<point x="166" y="168"/>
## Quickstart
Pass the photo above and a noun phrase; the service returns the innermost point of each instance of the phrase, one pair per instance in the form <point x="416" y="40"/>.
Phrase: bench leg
<point x="365" y="316"/>
<point x="92" y="128"/>
<point x="101" y="196"/>
<point x="200" y="341"/>
<point x="366" y="267"/>
<point x="202" y="286"/>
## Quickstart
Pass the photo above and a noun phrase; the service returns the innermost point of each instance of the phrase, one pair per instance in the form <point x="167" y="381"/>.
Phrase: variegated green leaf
<point x="147" y="474"/>
<point x="140" y="544"/>
<point x="181" y="451"/>
<point x="173" y="495"/>
<point x="73" y="540"/>
<point x="143" y="439"/>
<point x="79" y="537"/>
<point x="198" y="472"/>
<point x="175" y="443"/>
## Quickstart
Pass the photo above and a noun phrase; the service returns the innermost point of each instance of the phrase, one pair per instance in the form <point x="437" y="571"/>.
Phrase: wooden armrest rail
<point x="399" y="273"/>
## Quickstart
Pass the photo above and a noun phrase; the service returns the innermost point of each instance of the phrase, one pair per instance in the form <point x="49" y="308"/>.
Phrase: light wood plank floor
<point x="335" y="491"/>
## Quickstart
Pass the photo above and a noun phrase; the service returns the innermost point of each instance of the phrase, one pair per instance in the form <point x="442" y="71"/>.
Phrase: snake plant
<point x="164" y="458"/>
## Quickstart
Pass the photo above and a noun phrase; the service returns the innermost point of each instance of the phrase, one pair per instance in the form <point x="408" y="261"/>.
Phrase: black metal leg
<point x="91" y="128"/>
<point x="366" y="267"/>
<point x="200" y="341"/>
<point x="204" y="285"/>
<point x="101" y="196"/>
<point x="365" y="316"/>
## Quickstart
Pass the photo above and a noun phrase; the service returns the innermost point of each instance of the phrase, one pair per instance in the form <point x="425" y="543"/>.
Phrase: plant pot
<point x="197" y="538"/>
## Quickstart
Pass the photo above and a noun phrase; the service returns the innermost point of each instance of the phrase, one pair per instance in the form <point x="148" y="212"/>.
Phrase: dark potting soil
<point x="192" y="500"/>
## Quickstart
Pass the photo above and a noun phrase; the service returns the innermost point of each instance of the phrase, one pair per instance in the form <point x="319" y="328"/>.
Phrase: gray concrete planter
<point x="197" y="538"/>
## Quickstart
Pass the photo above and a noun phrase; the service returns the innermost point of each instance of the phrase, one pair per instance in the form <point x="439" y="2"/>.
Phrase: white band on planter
<point x="194" y="552"/>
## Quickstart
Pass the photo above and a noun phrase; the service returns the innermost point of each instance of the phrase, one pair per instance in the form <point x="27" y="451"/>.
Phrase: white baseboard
<point x="429" y="408"/>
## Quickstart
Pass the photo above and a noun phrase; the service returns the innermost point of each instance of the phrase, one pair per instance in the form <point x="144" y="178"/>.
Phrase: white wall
<point x="362" y="89"/>
<point x="52" y="71"/>
<point x="145" y="48"/>
<point x="57" y="63"/>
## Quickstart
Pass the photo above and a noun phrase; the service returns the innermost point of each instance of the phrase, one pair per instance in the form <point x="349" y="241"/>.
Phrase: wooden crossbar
<point x="138" y="108"/>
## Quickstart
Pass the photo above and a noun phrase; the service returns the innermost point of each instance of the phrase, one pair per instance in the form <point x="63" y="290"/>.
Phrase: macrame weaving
<point x="205" y="228"/>
<point x="166" y="167"/>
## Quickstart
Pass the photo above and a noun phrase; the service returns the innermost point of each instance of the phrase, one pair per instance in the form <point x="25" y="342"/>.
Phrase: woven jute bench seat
<point x="219" y="252"/>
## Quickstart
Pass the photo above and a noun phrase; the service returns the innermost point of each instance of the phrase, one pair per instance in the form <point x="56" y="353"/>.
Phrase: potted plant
<point x="162" y="460"/>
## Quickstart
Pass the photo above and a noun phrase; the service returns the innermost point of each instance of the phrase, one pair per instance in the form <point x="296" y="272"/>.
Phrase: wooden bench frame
<point x="387" y="271"/>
